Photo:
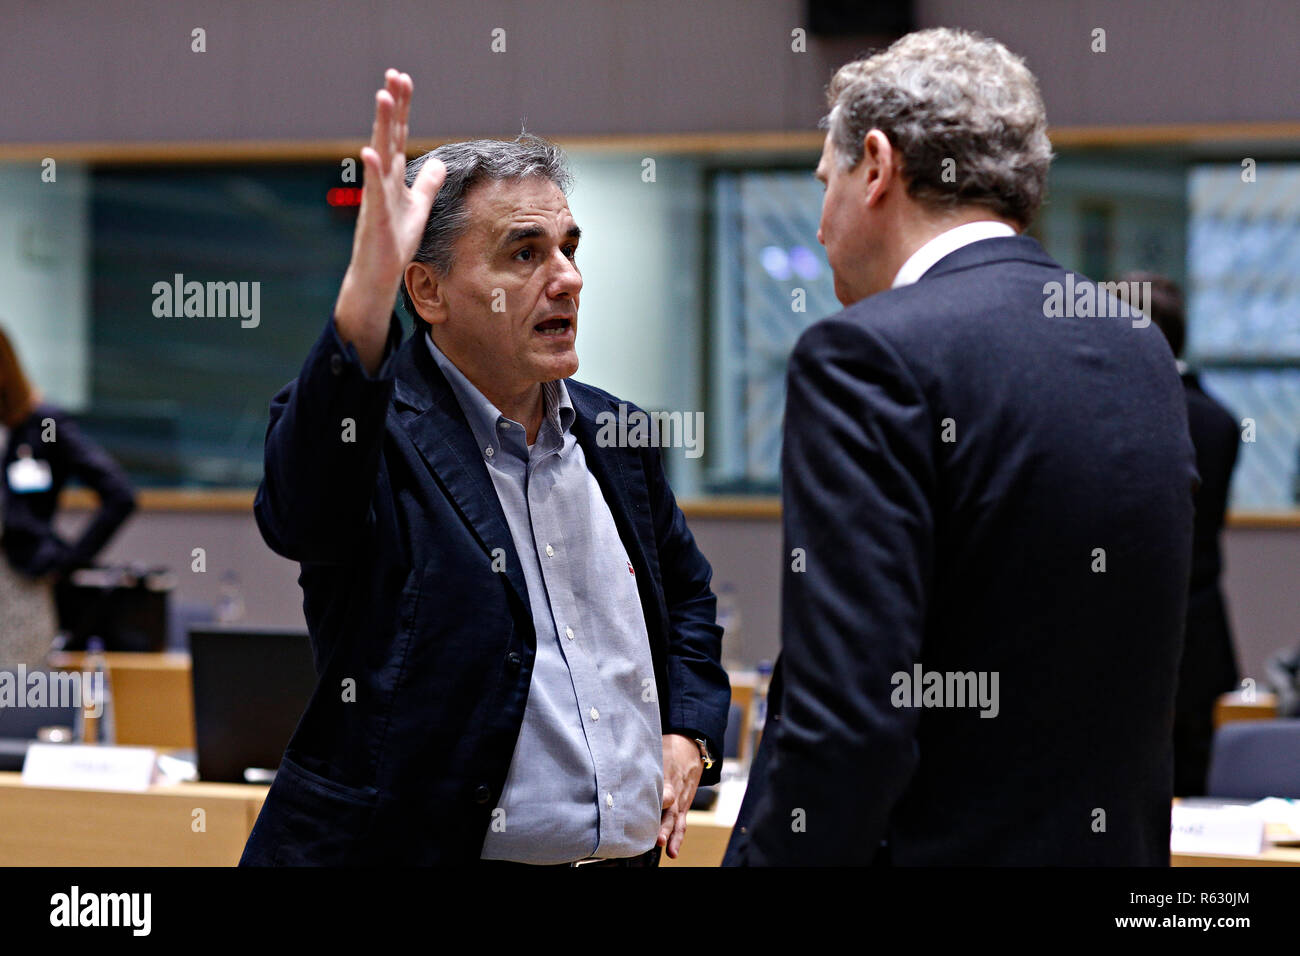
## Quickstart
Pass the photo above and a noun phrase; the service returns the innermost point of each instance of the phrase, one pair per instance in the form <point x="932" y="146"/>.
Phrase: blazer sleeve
<point x="95" y="468"/>
<point x="699" y="693"/>
<point x="858" y="476"/>
<point x="322" y="459"/>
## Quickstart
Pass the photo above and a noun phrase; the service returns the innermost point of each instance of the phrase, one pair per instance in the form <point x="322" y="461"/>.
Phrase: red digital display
<point x="344" y="196"/>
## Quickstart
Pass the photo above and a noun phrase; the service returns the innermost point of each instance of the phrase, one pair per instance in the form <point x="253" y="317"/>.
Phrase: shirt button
<point x="595" y="714"/>
<point x="609" y="799"/>
<point x="482" y="794"/>
<point x="550" y="552"/>
<point x="514" y="660"/>
<point x="336" y="363"/>
<point x="504" y="426"/>
<point x="568" y="632"/>
<point x="488" y="451"/>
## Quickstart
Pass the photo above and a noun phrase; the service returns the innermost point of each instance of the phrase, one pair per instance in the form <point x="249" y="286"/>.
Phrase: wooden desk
<point x="706" y="842"/>
<point x="49" y="826"/>
<point x="742" y="695"/>
<point x="1261" y="705"/>
<point x="1273" y="856"/>
<point x="153" y="697"/>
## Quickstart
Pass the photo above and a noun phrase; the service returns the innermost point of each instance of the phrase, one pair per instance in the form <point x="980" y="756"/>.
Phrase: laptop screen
<point x="250" y="690"/>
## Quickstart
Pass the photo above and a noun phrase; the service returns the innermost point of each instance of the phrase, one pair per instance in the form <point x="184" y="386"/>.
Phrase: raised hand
<point x="389" y="225"/>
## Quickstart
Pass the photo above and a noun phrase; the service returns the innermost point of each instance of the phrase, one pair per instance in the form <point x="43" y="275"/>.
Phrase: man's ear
<point x="428" y="294"/>
<point x="879" y="166"/>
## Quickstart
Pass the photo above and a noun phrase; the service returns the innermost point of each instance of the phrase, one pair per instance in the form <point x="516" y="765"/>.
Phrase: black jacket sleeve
<point x="323" y="443"/>
<point x="699" y="693"/>
<point x="93" y="467"/>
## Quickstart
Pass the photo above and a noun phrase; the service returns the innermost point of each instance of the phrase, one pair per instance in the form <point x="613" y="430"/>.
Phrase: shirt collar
<point x="919" y="263"/>
<point x="486" y="421"/>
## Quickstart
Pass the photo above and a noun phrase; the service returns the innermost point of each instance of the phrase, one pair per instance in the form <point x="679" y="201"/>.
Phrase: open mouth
<point x="557" y="326"/>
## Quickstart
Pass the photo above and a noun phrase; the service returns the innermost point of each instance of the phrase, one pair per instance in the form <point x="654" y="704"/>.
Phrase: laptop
<point x="22" y="726"/>
<point x="251" y="687"/>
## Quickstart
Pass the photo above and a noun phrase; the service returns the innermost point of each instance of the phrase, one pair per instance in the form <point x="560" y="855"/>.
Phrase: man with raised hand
<point x="994" y="500"/>
<point x="513" y="628"/>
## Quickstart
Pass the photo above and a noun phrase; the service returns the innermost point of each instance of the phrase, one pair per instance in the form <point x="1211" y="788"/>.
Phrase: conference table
<point x="706" y="841"/>
<point x="206" y="824"/>
<point x="184" y="824"/>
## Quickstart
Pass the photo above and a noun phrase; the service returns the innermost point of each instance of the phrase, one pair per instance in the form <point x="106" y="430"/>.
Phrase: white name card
<point x="1227" y="830"/>
<point x="731" y="794"/>
<point x="89" y="767"/>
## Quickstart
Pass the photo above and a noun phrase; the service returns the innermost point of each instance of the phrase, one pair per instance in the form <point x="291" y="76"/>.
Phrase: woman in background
<point x="43" y="448"/>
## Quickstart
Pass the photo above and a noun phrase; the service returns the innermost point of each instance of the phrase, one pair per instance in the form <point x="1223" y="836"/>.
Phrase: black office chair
<point x="19" y="726"/>
<point x="1253" y="759"/>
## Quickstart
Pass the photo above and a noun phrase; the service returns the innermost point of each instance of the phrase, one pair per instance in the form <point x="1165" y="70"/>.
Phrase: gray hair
<point x="468" y="164"/>
<point x="947" y="94"/>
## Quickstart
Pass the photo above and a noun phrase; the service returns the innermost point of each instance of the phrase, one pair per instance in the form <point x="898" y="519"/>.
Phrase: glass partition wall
<point x="165" y="303"/>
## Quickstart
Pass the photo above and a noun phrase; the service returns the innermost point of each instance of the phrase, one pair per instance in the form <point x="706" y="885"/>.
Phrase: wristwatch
<point x="705" y="755"/>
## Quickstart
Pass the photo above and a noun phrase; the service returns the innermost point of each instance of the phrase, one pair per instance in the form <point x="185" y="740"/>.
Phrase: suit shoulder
<point x="878" y="323"/>
<point x="908" y="312"/>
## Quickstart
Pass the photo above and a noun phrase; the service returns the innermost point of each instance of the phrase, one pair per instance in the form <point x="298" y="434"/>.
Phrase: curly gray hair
<point x="468" y="164"/>
<point x="947" y="94"/>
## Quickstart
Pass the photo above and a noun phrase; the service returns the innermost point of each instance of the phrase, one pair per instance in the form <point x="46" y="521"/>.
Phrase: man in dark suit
<point x="987" y="487"/>
<point x="1209" y="665"/>
<point x="513" y="627"/>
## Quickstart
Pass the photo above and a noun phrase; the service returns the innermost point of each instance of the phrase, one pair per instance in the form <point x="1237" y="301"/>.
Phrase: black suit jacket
<point x="395" y="533"/>
<point x="971" y="555"/>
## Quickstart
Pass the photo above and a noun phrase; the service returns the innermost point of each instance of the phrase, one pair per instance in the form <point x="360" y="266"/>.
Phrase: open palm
<point x="389" y="225"/>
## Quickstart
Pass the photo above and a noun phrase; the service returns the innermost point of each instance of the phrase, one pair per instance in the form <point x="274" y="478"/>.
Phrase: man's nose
<point x="567" y="280"/>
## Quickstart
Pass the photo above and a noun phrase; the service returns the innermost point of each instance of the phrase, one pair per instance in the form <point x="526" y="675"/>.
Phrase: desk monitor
<point x="250" y="689"/>
<point x="22" y="726"/>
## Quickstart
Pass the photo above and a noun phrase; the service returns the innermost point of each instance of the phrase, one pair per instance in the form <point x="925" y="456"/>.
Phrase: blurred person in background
<point x="43" y="449"/>
<point x="1209" y="665"/>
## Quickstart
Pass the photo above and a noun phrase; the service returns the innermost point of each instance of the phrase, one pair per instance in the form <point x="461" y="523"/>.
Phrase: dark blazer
<point x="424" y="652"/>
<point x="30" y="541"/>
<point x="1209" y="665"/>
<point x="952" y="460"/>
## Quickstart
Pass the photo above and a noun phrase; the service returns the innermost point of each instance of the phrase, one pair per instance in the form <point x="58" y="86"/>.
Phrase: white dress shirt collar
<point x="919" y="263"/>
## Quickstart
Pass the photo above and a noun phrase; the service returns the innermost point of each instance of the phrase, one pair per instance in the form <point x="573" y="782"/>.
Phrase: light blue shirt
<point x="586" y="779"/>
